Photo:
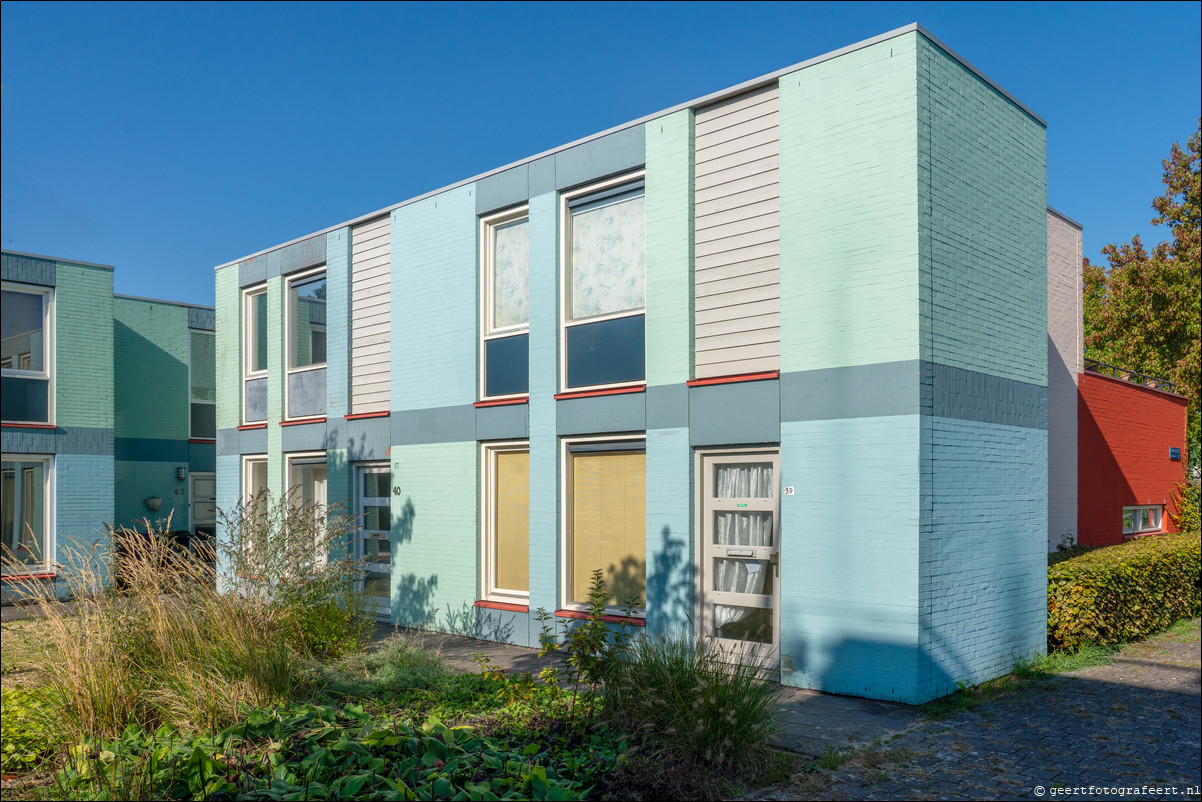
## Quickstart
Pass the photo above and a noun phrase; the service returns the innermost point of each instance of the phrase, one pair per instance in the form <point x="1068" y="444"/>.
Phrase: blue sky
<point x="166" y="139"/>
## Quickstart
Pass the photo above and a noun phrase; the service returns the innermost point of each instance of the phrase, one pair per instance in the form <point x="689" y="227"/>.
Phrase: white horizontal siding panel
<point x="752" y="126"/>
<point x="747" y="240"/>
<point x="764" y="307"/>
<point x="371" y="250"/>
<point x="731" y="168"/>
<point x="765" y="292"/>
<point x="767" y="221"/>
<point x="766" y="278"/>
<point x="736" y="268"/>
<point x="738" y="151"/>
<point x="733" y="354"/>
<point x="752" y="104"/>
<point x="734" y="325"/>
<point x="720" y="190"/>
<point x="744" y="211"/>
<point x="739" y="367"/>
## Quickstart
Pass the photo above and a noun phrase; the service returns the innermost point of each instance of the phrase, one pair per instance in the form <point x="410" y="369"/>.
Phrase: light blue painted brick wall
<point x="83" y="489"/>
<point x="849" y="556"/>
<point x="338" y="313"/>
<point x="136" y="481"/>
<point x="983" y="555"/>
<point x="670" y="592"/>
<point x="434" y="329"/>
<point x="982" y="197"/>
<point x="544" y="379"/>
<point x="229" y="493"/>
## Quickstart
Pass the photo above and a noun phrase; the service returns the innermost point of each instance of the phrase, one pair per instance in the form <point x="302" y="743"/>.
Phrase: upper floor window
<point x="202" y="385"/>
<point x="254" y="355"/>
<point x="25" y="354"/>
<point x="604" y="284"/>
<point x="506" y="273"/>
<point x="306" y="326"/>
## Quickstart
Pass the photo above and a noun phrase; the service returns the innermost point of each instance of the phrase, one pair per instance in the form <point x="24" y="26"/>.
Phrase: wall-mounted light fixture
<point x="181" y="473"/>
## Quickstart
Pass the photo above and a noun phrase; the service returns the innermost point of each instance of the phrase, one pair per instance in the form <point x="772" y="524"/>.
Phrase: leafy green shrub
<point x="25" y="731"/>
<point x="310" y="752"/>
<point x="710" y="705"/>
<point x="291" y="562"/>
<point x="1122" y="593"/>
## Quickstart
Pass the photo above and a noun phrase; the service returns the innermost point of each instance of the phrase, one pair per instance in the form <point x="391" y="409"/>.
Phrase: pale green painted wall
<point x="849" y="217"/>
<point x="152" y="347"/>
<point x="229" y="355"/>
<point x="277" y="468"/>
<point x="669" y="248"/>
<point x="83" y="330"/>
<point x="434" y="541"/>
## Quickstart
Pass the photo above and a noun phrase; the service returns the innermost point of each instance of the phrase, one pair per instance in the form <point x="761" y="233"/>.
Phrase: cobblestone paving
<point x="1127" y="729"/>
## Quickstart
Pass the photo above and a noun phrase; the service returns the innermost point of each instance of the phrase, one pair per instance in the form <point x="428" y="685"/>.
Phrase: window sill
<point x="513" y="608"/>
<point x="746" y="377"/>
<point x="609" y="619"/>
<point x="640" y="388"/>
<point x="8" y="425"/>
<point x="246" y="426"/>
<point x="501" y="402"/>
<point x="26" y="577"/>
<point x="202" y="440"/>
<point x="1137" y="535"/>
<point x="362" y="415"/>
<point x="300" y="421"/>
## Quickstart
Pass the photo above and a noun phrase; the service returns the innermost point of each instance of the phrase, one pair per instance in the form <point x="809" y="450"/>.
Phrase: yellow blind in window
<point x="512" y="523"/>
<point x="609" y="529"/>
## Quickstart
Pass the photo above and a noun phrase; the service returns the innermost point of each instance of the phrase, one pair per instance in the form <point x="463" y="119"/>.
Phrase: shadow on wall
<point x="872" y="669"/>
<point x="670" y="585"/>
<point x="471" y="621"/>
<point x="146" y="379"/>
<point x="1103" y="487"/>
<point x="412" y="596"/>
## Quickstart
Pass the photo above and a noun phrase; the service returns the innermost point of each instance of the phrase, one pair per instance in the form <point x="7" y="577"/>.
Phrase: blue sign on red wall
<point x="1174" y="453"/>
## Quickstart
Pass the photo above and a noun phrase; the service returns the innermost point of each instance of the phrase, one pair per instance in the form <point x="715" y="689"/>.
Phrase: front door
<point x="202" y="513"/>
<point x="739" y="515"/>
<point x="373" y="541"/>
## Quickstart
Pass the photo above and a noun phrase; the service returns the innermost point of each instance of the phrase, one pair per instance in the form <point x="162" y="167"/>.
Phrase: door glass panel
<point x="743" y="576"/>
<point x="743" y="528"/>
<point x="752" y="624"/>
<point x="376" y="584"/>
<point x="376" y="485"/>
<point x="743" y="480"/>
<point x="376" y="551"/>
<point x="375" y="518"/>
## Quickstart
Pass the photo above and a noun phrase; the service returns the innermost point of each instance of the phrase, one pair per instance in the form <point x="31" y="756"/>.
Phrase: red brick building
<point x="1130" y="458"/>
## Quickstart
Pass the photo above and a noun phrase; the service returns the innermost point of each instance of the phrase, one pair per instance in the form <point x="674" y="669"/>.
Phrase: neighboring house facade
<point x="1131" y="455"/>
<point x="72" y="356"/>
<point x="775" y="361"/>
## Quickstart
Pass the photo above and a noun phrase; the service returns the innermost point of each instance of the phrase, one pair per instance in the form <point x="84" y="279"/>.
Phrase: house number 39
<point x="787" y="490"/>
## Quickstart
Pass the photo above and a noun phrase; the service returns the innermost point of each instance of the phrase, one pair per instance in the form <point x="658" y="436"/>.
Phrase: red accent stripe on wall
<point x="747" y="377"/>
<point x="202" y="440"/>
<point x="361" y="415"/>
<point x="642" y="388"/>
<point x="301" y="421"/>
<point x="500" y="402"/>
<point x="29" y="426"/>
<point x="246" y="426"/>
<point x="609" y="619"/>
<point x="513" y="608"/>
<point x="19" y="577"/>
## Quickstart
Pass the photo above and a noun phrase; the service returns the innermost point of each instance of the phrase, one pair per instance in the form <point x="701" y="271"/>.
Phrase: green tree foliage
<point x="1144" y="312"/>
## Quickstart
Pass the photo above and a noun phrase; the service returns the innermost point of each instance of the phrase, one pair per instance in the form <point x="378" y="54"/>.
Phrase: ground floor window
<point x="25" y="509"/>
<point x="507" y="521"/>
<point x="307" y="486"/>
<point x="1137" y="520"/>
<point x="605" y="513"/>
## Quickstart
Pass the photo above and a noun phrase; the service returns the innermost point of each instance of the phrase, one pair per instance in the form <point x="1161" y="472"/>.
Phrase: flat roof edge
<point x="59" y="259"/>
<point x="184" y="304"/>
<point x="1065" y="218"/>
<point x="704" y="100"/>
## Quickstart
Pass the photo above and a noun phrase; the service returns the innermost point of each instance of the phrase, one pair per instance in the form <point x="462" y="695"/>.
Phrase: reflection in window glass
<point x="256" y="326"/>
<point x="203" y="367"/>
<point x="23" y="510"/>
<point x="307" y="298"/>
<point x="511" y="274"/>
<point x="608" y="257"/>
<point x="22" y="337"/>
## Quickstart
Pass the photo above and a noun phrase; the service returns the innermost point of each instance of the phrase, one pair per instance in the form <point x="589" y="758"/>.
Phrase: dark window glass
<point x="607" y="352"/>
<point x="507" y="365"/>
<point x="25" y="400"/>
<point x="307" y="394"/>
<point x="204" y="420"/>
<point x="255" y="405"/>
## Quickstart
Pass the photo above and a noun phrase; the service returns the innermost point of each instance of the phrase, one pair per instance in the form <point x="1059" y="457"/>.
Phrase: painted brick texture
<point x="1065" y="350"/>
<point x="669" y="248"/>
<point x="151" y="352"/>
<point x="229" y="351"/>
<point x="1126" y="431"/>
<point x="83" y="320"/>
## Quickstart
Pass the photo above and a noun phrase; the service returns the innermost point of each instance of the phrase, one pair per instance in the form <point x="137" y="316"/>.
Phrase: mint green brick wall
<point x="229" y="353"/>
<point x="137" y="481"/>
<point x="983" y="208"/>
<point x="150" y="375"/>
<point x="669" y="143"/>
<point x="83" y="331"/>
<point x="849" y="217"/>
<point x="434" y="542"/>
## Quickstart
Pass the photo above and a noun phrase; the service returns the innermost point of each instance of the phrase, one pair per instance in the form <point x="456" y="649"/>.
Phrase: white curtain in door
<point x="739" y="528"/>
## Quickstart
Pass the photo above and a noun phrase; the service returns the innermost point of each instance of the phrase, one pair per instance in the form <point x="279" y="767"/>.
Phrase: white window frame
<point x="191" y="401"/>
<point x="48" y="353"/>
<point x="488" y="475"/>
<point x="192" y="479"/>
<point x="1155" y="518"/>
<point x="566" y="509"/>
<point x="488" y="227"/>
<point x="308" y="458"/>
<point x="248" y="345"/>
<point x="49" y="505"/>
<point x="565" y="284"/>
<point x="361" y="471"/>
<point x="290" y="335"/>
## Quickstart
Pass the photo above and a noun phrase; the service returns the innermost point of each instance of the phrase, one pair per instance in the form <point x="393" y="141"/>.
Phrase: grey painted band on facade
<point x="363" y="439"/>
<point x="27" y="269"/>
<point x="856" y="391"/>
<point x="307" y="253"/>
<point x="735" y="414"/>
<point x="441" y="425"/>
<point x="510" y="422"/>
<point x="201" y="317"/>
<point x="950" y="392"/>
<point x="305" y="437"/>
<point x="63" y="440"/>
<point x="202" y="457"/>
<point x="602" y="413"/>
<point x="668" y="406"/>
<point x="234" y="442"/>
<point x="588" y="161"/>
<point x="146" y="449"/>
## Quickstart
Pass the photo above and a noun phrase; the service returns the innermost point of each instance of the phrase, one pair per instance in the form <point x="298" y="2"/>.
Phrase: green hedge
<point x="1123" y="593"/>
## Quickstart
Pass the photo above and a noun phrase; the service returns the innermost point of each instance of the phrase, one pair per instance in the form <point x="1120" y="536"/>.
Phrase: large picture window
<point x="604" y="285"/>
<point x="506" y="274"/>
<point x="202" y="386"/>
<point x="606" y="519"/>
<point x="507" y="522"/>
<point x="25" y="510"/>
<point x="307" y="345"/>
<point x="254" y="355"/>
<point x="25" y="354"/>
